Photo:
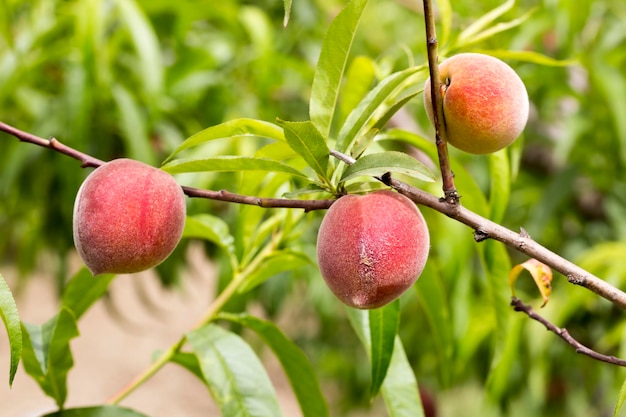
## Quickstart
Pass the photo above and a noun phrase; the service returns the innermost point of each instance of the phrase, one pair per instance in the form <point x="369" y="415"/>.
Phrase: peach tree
<point x="360" y="155"/>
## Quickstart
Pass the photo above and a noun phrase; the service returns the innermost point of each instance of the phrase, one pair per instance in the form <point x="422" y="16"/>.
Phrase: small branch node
<point x="480" y="235"/>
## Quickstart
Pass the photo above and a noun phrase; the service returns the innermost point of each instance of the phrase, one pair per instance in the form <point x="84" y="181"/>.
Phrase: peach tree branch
<point x="522" y="242"/>
<point x="451" y="196"/>
<point x="518" y="305"/>
<point x="88" y="161"/>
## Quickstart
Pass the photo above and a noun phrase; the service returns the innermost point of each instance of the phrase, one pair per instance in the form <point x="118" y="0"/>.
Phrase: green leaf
<point x="359" y="80"/>
<point x="445" y="18"/>
<point x="399" y="390"/>
<point x="233" y="373"/>
<point x="621" y="398"/>
<point x="331" y="65"/>
<point x="146" y="43"/>
<point x="279" y="261"/>
<point x="494" y="30"/>
<point x="287" y="12"/>
<point x="231" y="129"/>
<point x="102" y="411"/>
<point x="527" y="56"/>
<point x="132" y="122"/>
<point x="297" y="367"/>
<point x="500" y="188"/>
<point x="379" y="99"/>
<point x="384" y="324"/>
<point x="11" y="319"/>
<point x="484" y="21"/>
<point x="47" y="356"/>
<point x="377" y="164"/>
<point x="435" y="302"/>
<point x="230" y="163"/>
<point x="83" y="290"/>
<point x="188" y="361"/>
<point x="211" y="228"/>
<point x="306" y="140"/>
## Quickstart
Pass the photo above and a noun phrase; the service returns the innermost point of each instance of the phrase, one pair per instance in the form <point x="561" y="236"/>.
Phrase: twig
<point x="223" y="195"/>
<point x="88" y="161"/>
<point x="518" y="305"/>
<point x="522" y="242"/>
<point x="450" y="194"/>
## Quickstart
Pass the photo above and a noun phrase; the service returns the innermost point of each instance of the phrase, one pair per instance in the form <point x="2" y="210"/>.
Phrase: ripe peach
<point x="372" y="248"/>
<point x="128" y="217"/>
<point x="485" y="103"/>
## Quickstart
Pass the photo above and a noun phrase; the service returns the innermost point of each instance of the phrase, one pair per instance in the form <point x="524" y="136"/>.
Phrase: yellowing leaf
<point x="541" y="273"/>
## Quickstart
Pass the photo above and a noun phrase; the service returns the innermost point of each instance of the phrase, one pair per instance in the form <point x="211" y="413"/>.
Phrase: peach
<point x="372" y="248"/>
<point x="128" y="217"/>
<point x="485" y="103"/>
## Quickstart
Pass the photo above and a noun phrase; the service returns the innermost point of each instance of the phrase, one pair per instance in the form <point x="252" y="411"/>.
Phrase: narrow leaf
<point x="133" y="124"/>
<point x="211" y="228"/>
<point x="229" y="163"/>
<point x="331" y="65"/>
<point x="500" y="188"/>
<point x="379" y="98"/>
<point x="384" y="324"/>
<point x="146" y="44"/>
<point x="532" y="57"/>
<point x="287" y="12"/>
<point x="233" y="373"/>
<point x="541" y="273"/>
<point x="495" y="29"/>
<point x="621" y="398"/>
<point x="231" y="129"/>
<point x="360" y="145"/>
<point x="102" y="411"/>
<point x="377" y="164"/>
<point x="188" y="361"/>
<point x="83" y="290"/>
<point x="296" y="365"/>
<point x="359" y="80"/>
<point x="399" y="390"/>
<point x="47" y="355"/>
<point x="280" y="261"/>
<point x="479" y="24"/>
<point x="306" y="141"/>
<point x="11" y="319"/>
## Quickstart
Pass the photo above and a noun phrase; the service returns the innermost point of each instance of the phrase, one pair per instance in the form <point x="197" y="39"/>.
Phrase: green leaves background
<point x="231" y="99"/>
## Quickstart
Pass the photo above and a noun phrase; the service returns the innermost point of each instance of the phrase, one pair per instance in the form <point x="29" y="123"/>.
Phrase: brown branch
<point x="522" y="242"/>
<point x="450" y="194"/>
<point x="88" y="161"/>
<point x="223" y="195"/>
<point x="518" y="305"/>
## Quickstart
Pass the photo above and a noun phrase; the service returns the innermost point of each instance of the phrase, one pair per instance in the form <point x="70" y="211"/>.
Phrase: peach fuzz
<point x="128" y="217"/>
<point x="372" y="248"/>
<point x="485" y="103"/>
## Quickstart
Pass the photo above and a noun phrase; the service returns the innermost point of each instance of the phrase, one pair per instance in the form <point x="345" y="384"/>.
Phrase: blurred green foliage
<point x="135" y="78"/>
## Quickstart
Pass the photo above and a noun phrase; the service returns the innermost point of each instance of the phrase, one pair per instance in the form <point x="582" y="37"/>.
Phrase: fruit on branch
<point x="372" y="248"/>
<point x="128" y="217"/>
<point x="485" y="103"/>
